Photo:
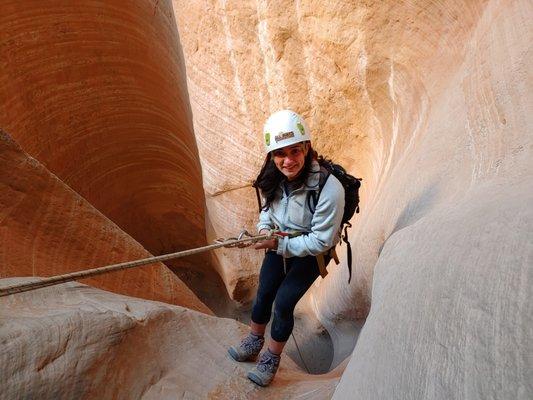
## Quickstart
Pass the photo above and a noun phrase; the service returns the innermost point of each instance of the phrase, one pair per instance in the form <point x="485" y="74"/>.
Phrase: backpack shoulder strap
<point x="324" y="175"/>
<point x="315" y="194"/>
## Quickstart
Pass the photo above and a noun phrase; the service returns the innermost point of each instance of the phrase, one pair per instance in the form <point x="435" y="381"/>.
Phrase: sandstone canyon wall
<point x="48" y="229"/>
<point x="430" y="103"/>
<point x="454" y="275"/>
<point x="96" y="92"/>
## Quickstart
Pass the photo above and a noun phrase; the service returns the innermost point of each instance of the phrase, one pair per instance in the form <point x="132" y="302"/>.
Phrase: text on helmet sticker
<point x="283" y="136"/>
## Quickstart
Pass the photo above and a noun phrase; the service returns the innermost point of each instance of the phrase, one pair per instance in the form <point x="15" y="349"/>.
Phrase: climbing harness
<point x="243" y="240"/>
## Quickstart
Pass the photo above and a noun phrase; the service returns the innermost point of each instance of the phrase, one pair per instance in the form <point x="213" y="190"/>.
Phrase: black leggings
<point x="286" y="290"/>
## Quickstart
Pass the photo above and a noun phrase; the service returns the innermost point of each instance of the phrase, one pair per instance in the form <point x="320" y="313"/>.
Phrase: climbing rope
<point x="238" y="240"/>
<point x="298" y="349"/>
<point x="243" y="240"/>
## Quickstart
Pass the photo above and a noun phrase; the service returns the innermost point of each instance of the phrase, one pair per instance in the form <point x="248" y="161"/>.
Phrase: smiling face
<point x="291" y="159"/>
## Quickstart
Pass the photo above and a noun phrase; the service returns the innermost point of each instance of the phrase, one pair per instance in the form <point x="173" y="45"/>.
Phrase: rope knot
<point x="244" y="234"/>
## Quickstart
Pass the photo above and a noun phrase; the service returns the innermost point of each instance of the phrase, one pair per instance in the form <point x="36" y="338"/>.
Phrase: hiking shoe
<point x="266" y="369"/>
<point x="249" y="348"/>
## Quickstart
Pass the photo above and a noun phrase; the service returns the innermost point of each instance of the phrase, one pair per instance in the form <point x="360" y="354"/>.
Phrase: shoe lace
<point x="267" y="362"/>
<point x="251" y="343"/>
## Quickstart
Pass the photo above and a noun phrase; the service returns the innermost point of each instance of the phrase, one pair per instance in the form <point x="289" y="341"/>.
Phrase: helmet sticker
<point x="301" y="128"/>
<point x="283" y="136"/>
<point x="267" y="138"/>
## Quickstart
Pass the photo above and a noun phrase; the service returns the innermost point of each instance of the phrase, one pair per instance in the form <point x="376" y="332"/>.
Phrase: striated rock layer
<point x="430" y="102"/>
<point x="79" y="342"/>
<point x="96" y="92"/>
<point x="453" y="279"/>
<point x="48" y="229"/>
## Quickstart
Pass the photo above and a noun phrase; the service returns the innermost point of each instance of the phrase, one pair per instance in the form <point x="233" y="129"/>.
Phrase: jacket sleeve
<point x="325" y="224"/>
<point x="264" y="221"/>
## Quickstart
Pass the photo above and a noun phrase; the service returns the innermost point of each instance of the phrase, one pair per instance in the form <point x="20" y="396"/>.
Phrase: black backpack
<point x="351" y="186"/>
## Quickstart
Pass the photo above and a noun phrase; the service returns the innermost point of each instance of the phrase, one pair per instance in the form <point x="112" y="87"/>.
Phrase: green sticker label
<point x="301" y="128"/>
<point x="267" y="138"/>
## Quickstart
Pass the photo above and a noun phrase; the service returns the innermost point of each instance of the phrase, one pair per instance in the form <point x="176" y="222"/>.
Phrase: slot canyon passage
<point x="131" y="129"/>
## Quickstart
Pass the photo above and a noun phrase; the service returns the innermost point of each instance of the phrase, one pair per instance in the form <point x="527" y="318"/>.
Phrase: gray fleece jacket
<point x="291" y="213"/>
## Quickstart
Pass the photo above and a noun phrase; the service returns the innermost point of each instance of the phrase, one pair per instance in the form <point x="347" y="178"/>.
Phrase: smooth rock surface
<point x="48" y="229"/>
<point x="454" y="276"/>
<point x="96" y="92"/>
<point x="80" y="342"/>
<point x="430" y="103"/>
<point x="463" y="321"/>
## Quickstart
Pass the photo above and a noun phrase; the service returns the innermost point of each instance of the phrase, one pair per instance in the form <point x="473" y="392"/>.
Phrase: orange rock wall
<point x="48" y="229"/>
<point x="96" y="92"/>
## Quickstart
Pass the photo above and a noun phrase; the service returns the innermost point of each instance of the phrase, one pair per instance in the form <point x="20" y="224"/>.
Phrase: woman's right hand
<point x="271" y="244"/>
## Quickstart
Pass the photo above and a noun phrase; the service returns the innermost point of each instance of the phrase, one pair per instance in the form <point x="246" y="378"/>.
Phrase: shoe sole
<point x="255" y="379"/>
<point x="233" y="353"/>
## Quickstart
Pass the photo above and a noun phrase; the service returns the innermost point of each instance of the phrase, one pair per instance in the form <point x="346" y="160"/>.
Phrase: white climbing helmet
<point x="284" y="128"/>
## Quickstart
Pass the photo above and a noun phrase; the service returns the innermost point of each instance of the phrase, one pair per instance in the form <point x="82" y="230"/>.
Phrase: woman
<point x="288" y="181"/>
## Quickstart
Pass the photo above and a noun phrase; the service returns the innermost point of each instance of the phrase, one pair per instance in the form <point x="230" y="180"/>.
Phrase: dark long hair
<point x="269" y="178"/>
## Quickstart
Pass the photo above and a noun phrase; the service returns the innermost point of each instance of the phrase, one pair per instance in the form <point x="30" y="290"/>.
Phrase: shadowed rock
<point x="48" y="229"/>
